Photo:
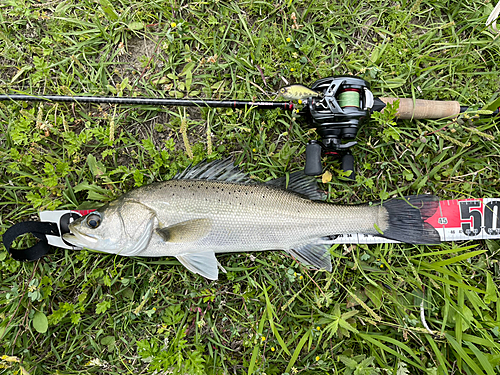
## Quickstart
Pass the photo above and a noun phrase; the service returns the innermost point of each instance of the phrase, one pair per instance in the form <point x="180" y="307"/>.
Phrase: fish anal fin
<point x="203" y="263"/>
<point x="313" y="254"/>
<point x="186" y="231"/>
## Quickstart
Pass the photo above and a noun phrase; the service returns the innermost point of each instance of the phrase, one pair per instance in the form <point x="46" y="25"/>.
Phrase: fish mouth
<point x="90" y="242"/>
<point x="79" y="239"/>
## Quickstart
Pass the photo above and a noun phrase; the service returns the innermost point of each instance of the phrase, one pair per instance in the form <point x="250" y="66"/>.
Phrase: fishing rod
<point x="150" y="101"/>
<point x="334" y="106"/>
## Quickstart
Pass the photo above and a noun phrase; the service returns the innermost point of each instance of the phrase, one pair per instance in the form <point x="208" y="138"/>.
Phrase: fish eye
<point x="93" y="220"/>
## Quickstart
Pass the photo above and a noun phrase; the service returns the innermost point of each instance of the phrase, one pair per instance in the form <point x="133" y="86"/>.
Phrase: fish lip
<point x="79" y="239"/>
<point x="71" y="239"/>
<point x="88" y="241"/>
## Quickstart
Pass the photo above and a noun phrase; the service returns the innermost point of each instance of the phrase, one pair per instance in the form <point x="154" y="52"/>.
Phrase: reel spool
<point x="345" y="103"/>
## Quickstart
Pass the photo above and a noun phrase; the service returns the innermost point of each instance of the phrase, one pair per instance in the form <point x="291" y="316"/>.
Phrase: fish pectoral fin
<point x="313" y="254"/>
<point x="187" y="231"/>
<point x="204" y="263"/>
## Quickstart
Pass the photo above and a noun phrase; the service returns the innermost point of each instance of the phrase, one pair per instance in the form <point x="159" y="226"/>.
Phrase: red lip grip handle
<point x="424" y="109"/>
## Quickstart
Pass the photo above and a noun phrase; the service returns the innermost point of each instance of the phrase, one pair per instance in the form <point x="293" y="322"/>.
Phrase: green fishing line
<point x="349" y="99"/>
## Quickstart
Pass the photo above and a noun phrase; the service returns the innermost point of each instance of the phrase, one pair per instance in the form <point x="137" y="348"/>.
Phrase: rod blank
<point x="150" y="101"/>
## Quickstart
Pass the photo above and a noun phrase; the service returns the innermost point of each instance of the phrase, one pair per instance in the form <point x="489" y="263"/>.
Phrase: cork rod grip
<point x="424" y="109"/>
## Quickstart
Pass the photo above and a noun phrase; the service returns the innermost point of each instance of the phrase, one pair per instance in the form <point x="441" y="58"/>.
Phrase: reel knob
<point x="313" y="165"/>
<point x="348" y="165"/>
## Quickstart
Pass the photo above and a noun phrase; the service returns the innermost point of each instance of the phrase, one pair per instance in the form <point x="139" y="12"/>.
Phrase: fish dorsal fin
<point x="186" y="231"/>
<point x="225" y="170"/>
<point x="301" y="184"/>
<point x="220" y="170"/>
<point x="203" y="263"/>
<point x="314" y="254"/>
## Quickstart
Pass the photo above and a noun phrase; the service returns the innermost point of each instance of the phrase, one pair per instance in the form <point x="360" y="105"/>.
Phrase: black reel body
<point x="336" y="115"/>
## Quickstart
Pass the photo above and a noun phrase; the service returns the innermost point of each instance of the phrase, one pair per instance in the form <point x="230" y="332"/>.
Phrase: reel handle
<point x="313" y="165"/>
<point x="424" y="109"/>
<point x="348" y="165"/>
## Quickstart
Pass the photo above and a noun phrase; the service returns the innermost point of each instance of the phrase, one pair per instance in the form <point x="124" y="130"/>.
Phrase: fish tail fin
<point x="406" y="217"/>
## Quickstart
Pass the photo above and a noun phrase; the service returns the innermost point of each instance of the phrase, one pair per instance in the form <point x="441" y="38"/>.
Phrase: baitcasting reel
<point x="343" y="105"/>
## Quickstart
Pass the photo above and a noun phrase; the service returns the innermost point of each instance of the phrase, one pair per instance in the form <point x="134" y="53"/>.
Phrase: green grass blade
<point x="271" y="323"/>
<point x="442" y="252"/>
<point x="487" y="342"/>
<point x="439" y="355"/>
<point x="459" y="320"/>
<point x="256" y="349"/>
<point x="244" y="23"/>
<point x="253" y="360"/>
<point x="454" y="283"/>
<point x="481" y="357"/>
<point x="493" y="105"/>
<point x="109" y="10"/>
<point x="458" y="258"/>
<point x="463" y="355"/>
<point x="297" y="350"/>
<point x="384" y="347"/>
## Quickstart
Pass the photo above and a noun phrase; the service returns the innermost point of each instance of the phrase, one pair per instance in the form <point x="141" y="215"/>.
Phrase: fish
<point x="297" y="92"/>
<point x="214" y="208"/>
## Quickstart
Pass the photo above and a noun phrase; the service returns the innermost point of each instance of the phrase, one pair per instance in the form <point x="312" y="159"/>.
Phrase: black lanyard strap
<point x="36" y="228"/>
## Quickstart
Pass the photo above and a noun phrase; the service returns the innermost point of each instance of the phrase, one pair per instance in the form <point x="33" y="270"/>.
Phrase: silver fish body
<point x="247" y="217"/>
<point x="192" y="219"/>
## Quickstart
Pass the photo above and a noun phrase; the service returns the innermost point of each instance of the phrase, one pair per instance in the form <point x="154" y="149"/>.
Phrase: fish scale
<point x="278" y="218"/>
<point x="203" y="211"/>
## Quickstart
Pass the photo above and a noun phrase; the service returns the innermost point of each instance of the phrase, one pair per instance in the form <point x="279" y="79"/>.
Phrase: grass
<point x="82" y="312"/>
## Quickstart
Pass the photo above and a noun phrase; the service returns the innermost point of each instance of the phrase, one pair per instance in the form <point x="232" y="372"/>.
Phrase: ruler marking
<point x="444" y="225"/>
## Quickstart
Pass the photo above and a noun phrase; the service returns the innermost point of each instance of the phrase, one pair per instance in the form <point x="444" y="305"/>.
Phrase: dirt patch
<point x="137" y="48"/>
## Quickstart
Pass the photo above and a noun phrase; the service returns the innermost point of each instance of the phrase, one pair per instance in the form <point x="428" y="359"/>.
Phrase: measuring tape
<point x="454" y="220"/>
